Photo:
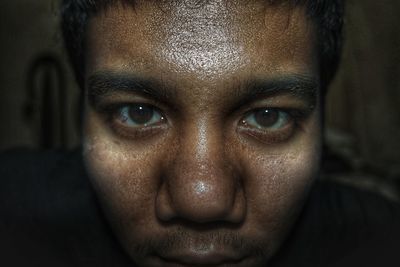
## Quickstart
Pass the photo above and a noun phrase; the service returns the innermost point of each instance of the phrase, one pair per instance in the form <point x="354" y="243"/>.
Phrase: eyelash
<point x="110" y="113"/>
<point x="296" y="117"/>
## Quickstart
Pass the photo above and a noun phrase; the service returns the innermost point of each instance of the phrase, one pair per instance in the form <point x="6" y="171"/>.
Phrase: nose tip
<point x="205" y="202"/>
<point x="201" y="200"/>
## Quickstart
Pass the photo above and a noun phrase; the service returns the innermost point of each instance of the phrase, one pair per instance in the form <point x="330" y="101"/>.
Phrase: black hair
<point x="327" y="14"/>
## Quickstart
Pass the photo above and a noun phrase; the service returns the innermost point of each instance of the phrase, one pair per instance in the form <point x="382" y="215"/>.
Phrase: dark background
<point x="39" y="97"/>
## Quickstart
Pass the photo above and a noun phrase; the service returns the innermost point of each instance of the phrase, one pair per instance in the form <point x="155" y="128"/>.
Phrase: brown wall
<point x="364" y="101"/>
<point x="29" y="37"/>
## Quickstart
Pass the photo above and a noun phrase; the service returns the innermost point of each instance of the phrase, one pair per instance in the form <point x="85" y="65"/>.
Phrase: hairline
<point x="89" y="8"/>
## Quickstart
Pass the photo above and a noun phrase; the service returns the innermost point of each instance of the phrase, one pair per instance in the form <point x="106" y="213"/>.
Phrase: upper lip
<point x="198" y="258"/>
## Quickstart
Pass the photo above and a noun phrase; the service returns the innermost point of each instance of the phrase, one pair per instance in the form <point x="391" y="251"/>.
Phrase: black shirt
<point x="49" y="216"/>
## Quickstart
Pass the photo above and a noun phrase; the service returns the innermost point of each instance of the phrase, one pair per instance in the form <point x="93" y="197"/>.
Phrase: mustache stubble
<point x="183" y="239"/>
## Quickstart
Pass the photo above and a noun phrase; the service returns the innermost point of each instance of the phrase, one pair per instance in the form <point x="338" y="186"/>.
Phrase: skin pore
<point x="202" y="127"/>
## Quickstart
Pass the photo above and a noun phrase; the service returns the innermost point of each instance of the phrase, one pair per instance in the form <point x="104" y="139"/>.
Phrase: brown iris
<point x="141" y="114"/>
<point x="266" y="118"/>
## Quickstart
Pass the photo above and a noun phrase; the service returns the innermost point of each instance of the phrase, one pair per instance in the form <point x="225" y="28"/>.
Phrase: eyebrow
<point x="104" y="84"/>
<point x="303" y="87"/>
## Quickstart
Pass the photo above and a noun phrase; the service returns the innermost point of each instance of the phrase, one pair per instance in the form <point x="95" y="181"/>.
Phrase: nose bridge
<point x="202" y="187"/>
<point x="203" y="141"/>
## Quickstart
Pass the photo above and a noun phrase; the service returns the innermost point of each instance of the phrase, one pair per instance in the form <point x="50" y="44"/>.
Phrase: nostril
<point x="200" y="202"/>
<point x="163" y="206"/>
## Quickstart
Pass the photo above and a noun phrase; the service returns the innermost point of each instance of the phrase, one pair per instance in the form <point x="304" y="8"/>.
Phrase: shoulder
<point x="49" y="212"/>
<point x="30" y="179"/>
<point x="364" y="223"/>
<point x="25" y="164"/>
<point x="342" y="225"/>
<point x="348" y="205"/>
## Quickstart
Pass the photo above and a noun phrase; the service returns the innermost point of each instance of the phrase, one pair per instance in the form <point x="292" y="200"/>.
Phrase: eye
<point x="139" y="115"/>
<point x="269" y="125"/>
<point x="267" y="119"/>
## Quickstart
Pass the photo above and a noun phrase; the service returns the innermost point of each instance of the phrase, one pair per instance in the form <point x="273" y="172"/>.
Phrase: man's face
<point x="202" y="128"/>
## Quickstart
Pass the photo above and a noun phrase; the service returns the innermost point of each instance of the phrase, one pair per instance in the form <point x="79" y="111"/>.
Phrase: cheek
<point x="125" y="181"/>
<point x="278" y="184"/>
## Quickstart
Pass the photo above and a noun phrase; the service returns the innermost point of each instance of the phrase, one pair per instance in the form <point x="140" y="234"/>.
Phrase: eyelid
<point x="110" y="113"/>
<point x="122" y="98"/>
<point x="109" y="110"/>
<point x="250" y="116"/>
<point x="133" y="124"/>
<point x="295" y="106"/>
<point x="112" y="103"/>
<point x="270" y="136"/>
<point x="297" y="114"/>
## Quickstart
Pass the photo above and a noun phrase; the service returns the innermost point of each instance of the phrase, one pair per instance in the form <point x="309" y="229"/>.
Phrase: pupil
<point x="266" y="117"/>
<point x="141" y="114"/>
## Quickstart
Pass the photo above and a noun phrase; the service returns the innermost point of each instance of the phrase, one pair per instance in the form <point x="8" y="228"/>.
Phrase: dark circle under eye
<point x="141" y="114"/>
<point x="266" y="117"/>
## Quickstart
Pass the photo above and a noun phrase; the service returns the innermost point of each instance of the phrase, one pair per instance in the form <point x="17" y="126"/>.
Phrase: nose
<point x="201" y="185"/>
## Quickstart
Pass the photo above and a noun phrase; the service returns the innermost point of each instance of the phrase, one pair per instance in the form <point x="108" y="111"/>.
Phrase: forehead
<point x="217" y="39"/>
